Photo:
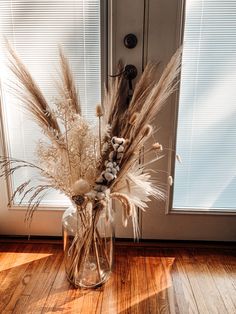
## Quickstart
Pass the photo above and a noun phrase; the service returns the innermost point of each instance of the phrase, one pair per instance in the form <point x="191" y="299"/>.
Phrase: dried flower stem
<point x="97" y="256"/>
<point x="100" y="135"/>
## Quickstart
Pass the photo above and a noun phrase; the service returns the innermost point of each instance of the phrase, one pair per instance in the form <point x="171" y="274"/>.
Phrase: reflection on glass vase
<point x="88" y="235"/>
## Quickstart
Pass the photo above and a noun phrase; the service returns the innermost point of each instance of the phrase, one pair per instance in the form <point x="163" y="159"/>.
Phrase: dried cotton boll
<point x="101" y="195"/>
<point x="120" y="141"/>
<point x="109" y="164"/>
<point x="99" y="112"/>
<point x="100" y="180"/>
<point x="119" y="155"/>
<point x="109" y="176"/>
<point x="98" y="188"/>
<point x="120" y="149"/>
<point x="116" y="146"/>
<point x="81" y="187"/>
<point x="114" y="171"/>
<point x="103" y="188"/>
<point x="117" y="140"/>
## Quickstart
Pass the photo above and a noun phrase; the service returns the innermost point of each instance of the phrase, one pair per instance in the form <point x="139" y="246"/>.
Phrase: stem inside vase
<point x="88" y="245"/>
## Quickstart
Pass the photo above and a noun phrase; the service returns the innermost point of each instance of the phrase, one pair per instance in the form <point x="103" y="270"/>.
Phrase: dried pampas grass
<point x="108" y="157"/>
<point x="67" y="86"/>
<point x="32" y="98"/>
<point x="90" y="165"/>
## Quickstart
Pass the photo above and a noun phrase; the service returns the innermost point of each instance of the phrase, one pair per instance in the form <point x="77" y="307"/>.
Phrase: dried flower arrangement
<point x="93" y="165"/>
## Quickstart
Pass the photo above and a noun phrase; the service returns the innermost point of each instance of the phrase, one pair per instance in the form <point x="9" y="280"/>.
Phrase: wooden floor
<point x="145" y="280"/>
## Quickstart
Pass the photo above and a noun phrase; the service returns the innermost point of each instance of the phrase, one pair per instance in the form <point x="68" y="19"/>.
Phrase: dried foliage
<point x="97" y="164"/>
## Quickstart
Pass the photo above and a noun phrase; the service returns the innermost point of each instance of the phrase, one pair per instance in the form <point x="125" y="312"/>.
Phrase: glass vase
<point x="88" y="236"/>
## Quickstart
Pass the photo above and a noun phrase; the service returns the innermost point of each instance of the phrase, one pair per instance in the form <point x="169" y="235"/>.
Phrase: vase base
<point x="91" y="277"/>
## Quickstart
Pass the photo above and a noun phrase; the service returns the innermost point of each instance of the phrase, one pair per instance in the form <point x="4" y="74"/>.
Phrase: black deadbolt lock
<point x="130" y="72"/>
<point x="130" y="41"/>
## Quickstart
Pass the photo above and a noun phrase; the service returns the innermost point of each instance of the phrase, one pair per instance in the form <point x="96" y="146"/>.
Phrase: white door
<point x="159" y="27"/>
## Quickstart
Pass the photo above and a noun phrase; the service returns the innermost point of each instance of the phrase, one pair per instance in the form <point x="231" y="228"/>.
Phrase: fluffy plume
<point x="32" y="98"/>
<point x="115" y="102"/>
<point x="139" y="186"/>
<point x="149" y="106"/>
<point x="67" y="87"/>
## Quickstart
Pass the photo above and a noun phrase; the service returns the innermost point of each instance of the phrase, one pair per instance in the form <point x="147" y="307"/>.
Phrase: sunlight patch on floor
<point x="14" y="259"/>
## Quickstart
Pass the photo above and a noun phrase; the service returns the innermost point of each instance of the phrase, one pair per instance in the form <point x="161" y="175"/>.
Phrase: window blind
<point x="206" y="132"/>
<point x="36" y="28"/>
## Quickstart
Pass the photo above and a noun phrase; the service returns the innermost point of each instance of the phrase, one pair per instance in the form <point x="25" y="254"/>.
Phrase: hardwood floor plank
<point x="109" y="298"/>
<point x="217" y="281"/>
<point x="17" y="265"/>
<point x="123" y="280"/>
<point x="157" y="281"/>
<point x="223" y="285"/>
<point x="46" y="280"/>
<point x="182" y="288"/>
<point x="6" y="260"/>
<point x="144" y="281"/>
<point x="60" y="289"/>
<point x="139" y="297"/>
<point x="168" y="260"/>
<point x="27" y="279"/>
<point x="202" y="279"/>
<point x="192" y="274"/>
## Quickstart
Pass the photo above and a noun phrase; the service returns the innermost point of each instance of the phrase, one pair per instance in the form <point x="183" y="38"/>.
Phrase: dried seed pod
<point x="170" y="180"/>
<point x="99" y="112"/>
<point x="157" y="146"/>
<point x="81" y="187"/>
<point x="147" y="130"/>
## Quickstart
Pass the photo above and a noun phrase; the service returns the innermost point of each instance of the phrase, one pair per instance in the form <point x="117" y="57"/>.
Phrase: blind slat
<point x="36" y="28"/>
<point x="206" y="133"/>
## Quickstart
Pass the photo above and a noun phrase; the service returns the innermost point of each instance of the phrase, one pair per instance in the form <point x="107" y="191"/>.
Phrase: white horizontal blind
<point x="36" y="28"/>
<point x="206" y="134"/>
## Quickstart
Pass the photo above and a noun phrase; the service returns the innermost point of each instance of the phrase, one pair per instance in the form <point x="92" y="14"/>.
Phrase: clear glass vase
<point x="88" y="235"/>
